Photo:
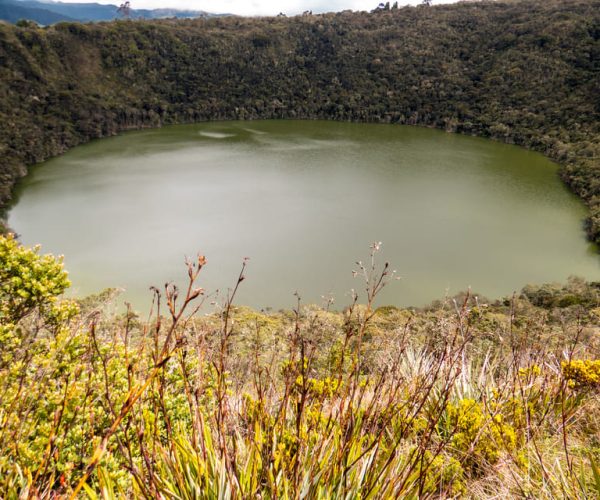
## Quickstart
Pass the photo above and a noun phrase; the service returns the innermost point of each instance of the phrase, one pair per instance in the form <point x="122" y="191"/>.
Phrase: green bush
<point x="29" y="282"/>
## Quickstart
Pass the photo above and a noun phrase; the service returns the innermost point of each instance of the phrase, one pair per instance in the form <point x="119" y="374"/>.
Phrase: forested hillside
<point x="524" y="72"/>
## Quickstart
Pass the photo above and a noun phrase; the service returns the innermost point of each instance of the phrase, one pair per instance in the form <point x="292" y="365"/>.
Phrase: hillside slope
<point x="522" y="72"/>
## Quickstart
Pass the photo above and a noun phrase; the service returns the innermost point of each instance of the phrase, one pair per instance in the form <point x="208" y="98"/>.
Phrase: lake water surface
<point x="304" y="200"/>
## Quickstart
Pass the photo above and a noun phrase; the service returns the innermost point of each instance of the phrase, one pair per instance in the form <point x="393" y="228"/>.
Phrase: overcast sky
<point x="258" y="7"/>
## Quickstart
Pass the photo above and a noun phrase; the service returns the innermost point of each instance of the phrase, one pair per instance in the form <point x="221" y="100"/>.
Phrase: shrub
<point x="28" y="282"/>
<point x="582" y="374"/>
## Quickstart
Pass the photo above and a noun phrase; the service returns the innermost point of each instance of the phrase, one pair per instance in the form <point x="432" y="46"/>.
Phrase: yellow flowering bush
<point x="442" y="474"/>
<point x="530" y="372"/>
<point x="478" y="438"/>
<point x="582" y="374"/>
<point x="285" y="453"/>
<point x="318" y="388"/>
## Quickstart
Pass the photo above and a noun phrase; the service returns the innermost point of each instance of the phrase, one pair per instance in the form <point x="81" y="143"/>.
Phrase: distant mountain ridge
<point x="52" y="12"/>
<point x="13" y="11"/>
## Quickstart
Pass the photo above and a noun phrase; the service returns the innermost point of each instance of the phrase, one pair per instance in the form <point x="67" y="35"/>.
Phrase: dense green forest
<point x="525" y="72"/>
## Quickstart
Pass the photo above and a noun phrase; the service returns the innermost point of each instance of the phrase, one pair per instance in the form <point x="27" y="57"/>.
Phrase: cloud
<point x="259" y="7"/>
<point x="263" y="7"/>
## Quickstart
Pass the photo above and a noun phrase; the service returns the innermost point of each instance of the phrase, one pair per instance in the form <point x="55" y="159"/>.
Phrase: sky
<point x="258" y="7"/>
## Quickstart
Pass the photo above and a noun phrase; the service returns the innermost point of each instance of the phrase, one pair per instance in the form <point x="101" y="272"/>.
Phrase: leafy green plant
<point x="29" y="282"/>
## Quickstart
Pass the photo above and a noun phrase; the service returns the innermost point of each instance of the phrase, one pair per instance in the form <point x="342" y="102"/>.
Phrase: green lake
<point x="304" y="200"/>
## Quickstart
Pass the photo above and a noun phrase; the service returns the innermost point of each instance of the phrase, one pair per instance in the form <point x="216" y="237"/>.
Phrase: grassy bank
<point x="465" y="398"/>
<point x="521" y="72"/>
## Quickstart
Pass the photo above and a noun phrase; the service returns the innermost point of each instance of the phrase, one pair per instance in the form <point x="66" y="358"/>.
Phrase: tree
<point x="125" y="9"/>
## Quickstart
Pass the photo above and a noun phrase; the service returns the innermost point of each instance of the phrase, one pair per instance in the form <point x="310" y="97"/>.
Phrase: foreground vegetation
<point x="525" y="72"/>
<point x="465" y="398"/>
